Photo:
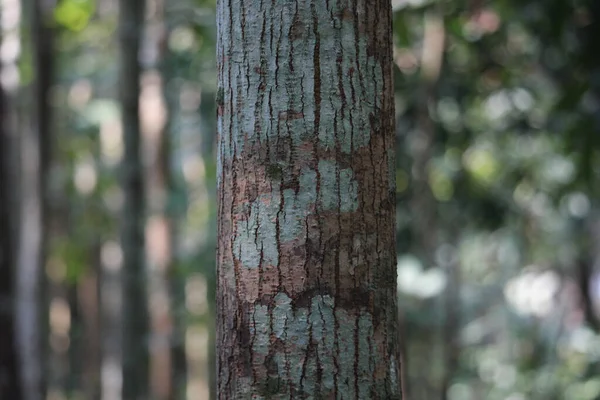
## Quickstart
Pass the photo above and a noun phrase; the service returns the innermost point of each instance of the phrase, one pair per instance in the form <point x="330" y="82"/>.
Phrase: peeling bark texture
<point x="306" y="296"/>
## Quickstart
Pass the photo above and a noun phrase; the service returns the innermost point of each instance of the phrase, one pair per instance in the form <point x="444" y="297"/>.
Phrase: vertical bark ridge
<point x="306" y="254"/>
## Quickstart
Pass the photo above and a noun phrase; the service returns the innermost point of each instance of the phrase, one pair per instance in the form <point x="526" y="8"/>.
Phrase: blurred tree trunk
<point x="306" y="300"/>
<point x="88" y="299"/>
<point x="9" y="374"/>
<point x="423" y="203"/>
<point x="135" y="308"/>
<point x="452" y="311"/>
<point x="208" y="110"/>
<point x="160" y="227"/>
<point x="73" y="382"/>
<point x="175" y="277"/>
<point x="35" y="149"/>
<point x="111" y="316"/>
<point x="172" y="190"/>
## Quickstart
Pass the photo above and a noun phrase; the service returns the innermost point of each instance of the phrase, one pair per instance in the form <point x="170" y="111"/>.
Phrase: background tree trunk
<point x="160" y="226"/>
<point x="89" y="302"/>
<point x="35" y="150"/>
<point x="169" y="188"/>
<point x="9" y="376"/>
<point x="111" y="314"/>
<point x="135" y="308"/>
<point x="306" y="254"/>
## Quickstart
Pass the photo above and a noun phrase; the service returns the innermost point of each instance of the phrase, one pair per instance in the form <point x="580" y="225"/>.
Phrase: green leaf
<point x="74" y="14"/>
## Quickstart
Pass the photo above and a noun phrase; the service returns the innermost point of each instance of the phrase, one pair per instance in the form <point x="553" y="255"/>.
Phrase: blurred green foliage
<point x="74" y="14"/>
<point x="511" y="162"/>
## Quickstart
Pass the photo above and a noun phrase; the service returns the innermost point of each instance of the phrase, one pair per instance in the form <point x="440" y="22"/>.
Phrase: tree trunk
<point x="172" y="189"/>
<point x="9" y="376"/>
<point x="175" y="279"/>
<point x="88" y="298"/>
<point x="135" y="308"/>
<point x="306" y="298"/>
<point x="111" y="314"/>
<point x="35" y="149"/>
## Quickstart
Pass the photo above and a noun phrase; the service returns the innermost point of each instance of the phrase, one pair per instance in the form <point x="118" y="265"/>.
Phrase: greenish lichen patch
<point x="257" y="89"/>
<point x="293" y="216"/>
<point x="281" y="314"/>
<point x="260" y="330"/>
<point x="323" y="327"/>
<point x="308" y="185"/>
<point x="256" y="237"/>
<point x="309" y="382"/>
<point x="346" y="351"/>
<point x="366" y="356"/>
<point x="362" y="79"/>
<point x="334" y="192"/>
<point x="293" y="326"/>
<point x="328" y="185"/>
<point x="297" y="206"/>
<point x="343" y="348"/>
<point x="289" y="324"/>
<point x="348" y="191"/>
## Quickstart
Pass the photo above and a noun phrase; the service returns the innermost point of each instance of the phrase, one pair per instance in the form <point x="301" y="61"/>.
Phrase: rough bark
<point x="135" y="308"/>
<point x="306" y="300"/>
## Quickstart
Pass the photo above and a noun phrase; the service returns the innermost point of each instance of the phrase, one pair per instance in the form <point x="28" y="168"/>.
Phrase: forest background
<point x="498" y="225"/>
